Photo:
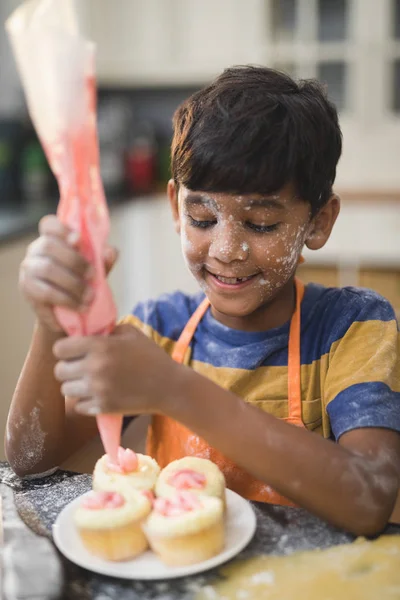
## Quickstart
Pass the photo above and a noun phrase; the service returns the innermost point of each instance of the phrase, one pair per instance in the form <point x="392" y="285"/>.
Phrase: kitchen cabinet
<point x="383" y="280"/>
<point x="325" y="275"/>
<point x="188" y="42"/>
<point x="132" y="38"/>
<point x="171" y="42"/>
<point x="210" y="36"/>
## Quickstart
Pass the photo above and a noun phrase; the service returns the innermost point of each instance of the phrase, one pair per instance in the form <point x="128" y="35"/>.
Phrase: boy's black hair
<point x="253" y="130"/>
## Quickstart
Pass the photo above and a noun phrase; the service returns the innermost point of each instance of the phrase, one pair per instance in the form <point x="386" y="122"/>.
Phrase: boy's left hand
<point x="123" y="373"/>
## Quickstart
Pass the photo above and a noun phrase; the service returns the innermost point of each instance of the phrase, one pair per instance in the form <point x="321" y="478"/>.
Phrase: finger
<point x="88" y="407"/>
<point x="110" y="258"/>
<point x="126" y="329"/>
<point x="76" y="388"/>
<point x="72" y="348"/>
<point x="67" y="370"/>
<point x="59" y="251"/>
<point x="45" y="269"/>
<point x="43" y="292"/>
<point x="51" y="225"/>
<point x="46" y="315"/>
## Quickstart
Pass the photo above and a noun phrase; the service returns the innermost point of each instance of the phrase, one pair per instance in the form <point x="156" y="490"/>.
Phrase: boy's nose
<point x="227" y="244"/>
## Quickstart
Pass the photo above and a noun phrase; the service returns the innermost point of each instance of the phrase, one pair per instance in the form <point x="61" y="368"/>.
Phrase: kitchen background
<point x="151" y="55"/>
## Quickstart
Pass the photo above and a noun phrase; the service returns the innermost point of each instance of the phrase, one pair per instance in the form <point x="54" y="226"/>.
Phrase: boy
<point x="294" y="392"/>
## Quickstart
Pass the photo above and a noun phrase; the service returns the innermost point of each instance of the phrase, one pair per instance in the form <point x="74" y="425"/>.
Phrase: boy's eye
<point x="262" y="228"/>
<point x="204" y="224"/>
<point x="201" y="224"/>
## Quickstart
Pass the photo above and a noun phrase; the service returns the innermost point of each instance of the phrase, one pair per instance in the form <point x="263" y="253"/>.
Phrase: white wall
<point x="151" y="260"/>
<point x="371" y="156"/>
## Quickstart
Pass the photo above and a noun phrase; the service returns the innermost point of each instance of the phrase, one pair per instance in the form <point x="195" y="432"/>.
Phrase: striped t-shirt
<point x="350" y="356"/>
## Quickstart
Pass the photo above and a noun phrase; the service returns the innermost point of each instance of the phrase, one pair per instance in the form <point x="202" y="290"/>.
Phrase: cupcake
<point x="133" y="471"/>
<point x="110" y="524"/>
<point x="186" y="529"/>
<point x="199" y="475"/>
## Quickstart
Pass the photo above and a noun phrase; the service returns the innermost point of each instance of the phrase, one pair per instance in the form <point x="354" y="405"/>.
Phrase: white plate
<point x="240" y="528"/>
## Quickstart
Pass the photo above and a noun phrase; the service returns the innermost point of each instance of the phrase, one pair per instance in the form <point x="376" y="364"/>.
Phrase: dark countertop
<point x="280" y="530"/>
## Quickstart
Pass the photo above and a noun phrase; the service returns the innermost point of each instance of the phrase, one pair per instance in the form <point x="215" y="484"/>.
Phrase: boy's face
<point x="242" y="250"/>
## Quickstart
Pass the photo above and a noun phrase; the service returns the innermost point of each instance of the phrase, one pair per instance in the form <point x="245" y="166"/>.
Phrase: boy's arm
<point x="42" y="427"/>
<point x="352" y="484"/>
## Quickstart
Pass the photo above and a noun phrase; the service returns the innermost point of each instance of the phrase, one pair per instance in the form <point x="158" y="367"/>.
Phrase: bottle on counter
<point x="164" y="161"/>
<point x="114" y="123"/>
<point x="141" y="161"/>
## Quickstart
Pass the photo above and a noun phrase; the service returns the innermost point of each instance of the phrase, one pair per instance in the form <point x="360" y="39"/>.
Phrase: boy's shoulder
<point x="349" y="302"/>
<point x="335" y="310"/>
<point x="168" y="314"/>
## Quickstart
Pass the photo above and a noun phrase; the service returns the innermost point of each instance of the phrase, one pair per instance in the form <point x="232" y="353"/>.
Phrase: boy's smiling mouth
<point x="223" y="281"/>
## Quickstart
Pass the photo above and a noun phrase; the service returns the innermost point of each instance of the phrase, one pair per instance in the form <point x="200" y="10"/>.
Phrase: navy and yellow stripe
<point x="350" y="349"/>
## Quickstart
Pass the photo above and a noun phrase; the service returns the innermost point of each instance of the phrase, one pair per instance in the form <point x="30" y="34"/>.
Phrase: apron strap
<point x="294" y="362"/>
<point x="187" y="334"/>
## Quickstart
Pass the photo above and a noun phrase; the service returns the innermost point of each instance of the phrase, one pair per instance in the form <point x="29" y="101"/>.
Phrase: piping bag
<point x="57" y="68"/>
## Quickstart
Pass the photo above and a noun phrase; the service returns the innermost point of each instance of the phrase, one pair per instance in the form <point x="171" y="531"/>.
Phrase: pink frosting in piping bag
<point x="46" y="40"/>
<point x="83" y="208"/>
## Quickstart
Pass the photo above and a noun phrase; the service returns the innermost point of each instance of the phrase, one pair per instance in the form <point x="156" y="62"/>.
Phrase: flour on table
<point x="263" y="577"/>
<point x="32" y="447"/>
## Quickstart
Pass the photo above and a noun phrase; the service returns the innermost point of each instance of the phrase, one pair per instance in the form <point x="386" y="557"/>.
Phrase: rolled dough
<point x="363" y="570"/>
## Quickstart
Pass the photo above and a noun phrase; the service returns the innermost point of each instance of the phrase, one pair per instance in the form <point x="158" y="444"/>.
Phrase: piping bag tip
<point x="110" y="427"/>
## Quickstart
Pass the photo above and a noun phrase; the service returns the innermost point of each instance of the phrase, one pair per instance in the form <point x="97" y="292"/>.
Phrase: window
<point x="284" y="19"/>
<point x="312" y="38"/>
<point x="332" y="20"/>
<point x="333" y="74"/>
<point x="396" y="19"/>
<point x="392" y="58"/>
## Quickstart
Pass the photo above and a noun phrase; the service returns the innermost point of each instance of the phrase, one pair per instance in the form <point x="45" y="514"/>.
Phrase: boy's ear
<point x="322" y="224"/>
<point x="173" y="201"/>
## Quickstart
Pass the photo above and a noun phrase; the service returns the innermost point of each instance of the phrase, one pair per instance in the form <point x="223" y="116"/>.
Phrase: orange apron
<point x="168" y="440"/>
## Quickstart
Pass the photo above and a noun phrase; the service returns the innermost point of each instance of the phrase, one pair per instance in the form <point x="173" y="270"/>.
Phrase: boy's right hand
<point x="54" y="273"/>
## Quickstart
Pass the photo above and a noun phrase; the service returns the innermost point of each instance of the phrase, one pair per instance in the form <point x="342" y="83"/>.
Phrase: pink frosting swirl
<point x="127" y="462"/>
<point x="100" y="500"/>
<point x="187" y="479"/>
<point x="149" y="495"/>
<point x="182" y="503"/>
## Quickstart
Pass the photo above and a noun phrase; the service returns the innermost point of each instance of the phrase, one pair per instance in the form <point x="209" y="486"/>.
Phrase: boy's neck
<point x="274" y="314"/>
